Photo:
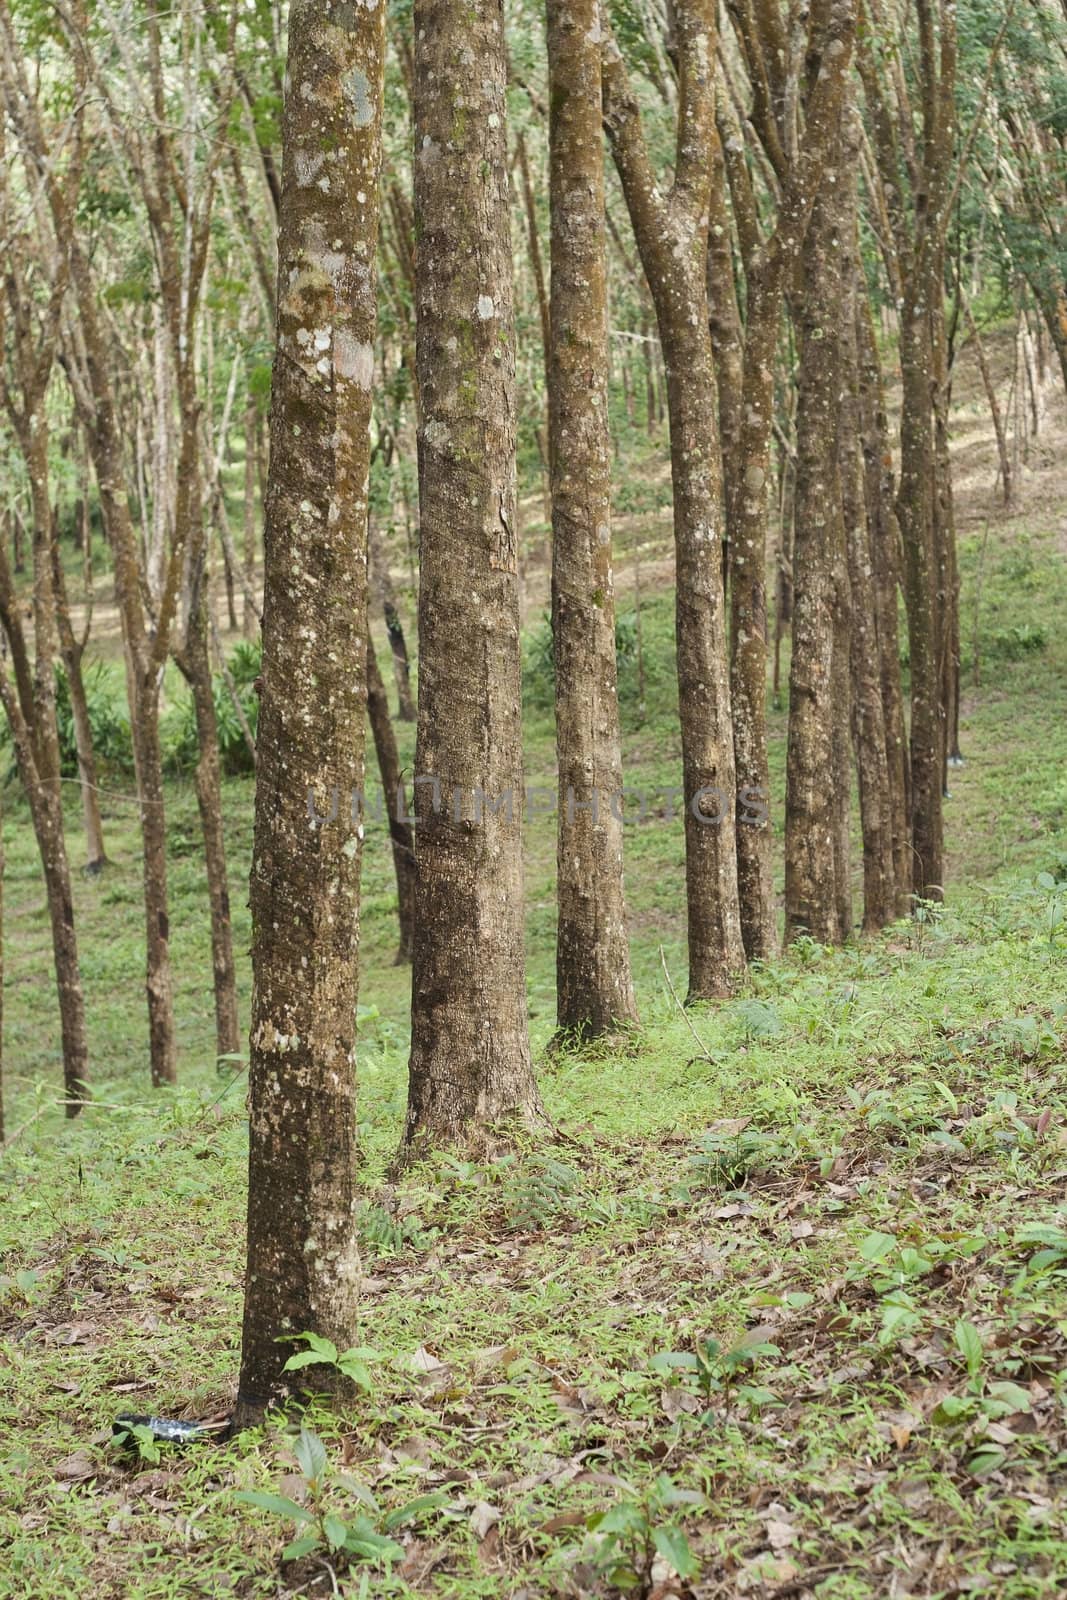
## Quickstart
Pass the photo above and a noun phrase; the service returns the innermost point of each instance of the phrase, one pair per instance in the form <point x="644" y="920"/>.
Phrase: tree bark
<point x="303" y="1259"/>
<point x="72" y="651"/>
<point x="42" y="796"/>
<point x="401" y="836"/>
<point x="594" y="988"/>
<point x="194" y="662"/>
<point x="382" y="582"/>
<point x="250" y="620"/>
<point x="886" y="563"/>
<point x="915" y="512"/>
<point x="868" y="718"/>
<point x="470" y="1055"/>
<point x="89" y="362"/>
<point x="818" y="769"/>
<point x="672" y="239"/>
<point x="798" y="160"/>
<point x="36" y="740"/>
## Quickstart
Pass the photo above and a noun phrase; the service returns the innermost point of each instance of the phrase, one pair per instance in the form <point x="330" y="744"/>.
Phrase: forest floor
<point x="781" y="1313"/>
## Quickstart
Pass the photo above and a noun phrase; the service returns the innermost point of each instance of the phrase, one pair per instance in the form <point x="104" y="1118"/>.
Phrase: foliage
<point x="325" y="1516"/>
<point x="178" y="735"/>
<point x="109" y="720"/>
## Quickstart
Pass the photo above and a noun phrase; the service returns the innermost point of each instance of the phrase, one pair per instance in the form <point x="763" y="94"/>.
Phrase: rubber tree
<point x="303" y="1259"/>
<point x="594" y="988"/>
<point x="470" y="1066"/>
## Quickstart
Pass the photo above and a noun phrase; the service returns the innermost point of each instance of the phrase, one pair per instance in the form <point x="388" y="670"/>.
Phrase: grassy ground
<point x="782" y="1312"/>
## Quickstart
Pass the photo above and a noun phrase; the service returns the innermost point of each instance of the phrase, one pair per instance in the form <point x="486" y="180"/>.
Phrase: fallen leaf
<point x="780" y="1534"/>
<point x="483" y="1517"/>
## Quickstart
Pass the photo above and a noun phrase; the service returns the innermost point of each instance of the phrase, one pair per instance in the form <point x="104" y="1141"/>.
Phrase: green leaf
<point x="986" y="1460"/>
<point x="674" y="1360"/>
<point x="670" y="1495"/>
<point x="414" y="1510"/>
<point x="952" y="1409"/>
<point x="310" y="1453"/>
<point x="280" y="1504"/>
<point x="876" y="1246"/>
<point x="623" y="1518"/>
<point x="324" y="1349"/>
<point x="306" y="1358"/>
<point x="355" y="1371"/>
<point x="673" y="1546"/>
<point x="372" y="1546"/>
<point x="301" y="1547"/>
<point x="360" y="1490"/>
<point x="1010" y="1395"/>
<point x="970" y="1346"/>
<point x="335" y="1530"/>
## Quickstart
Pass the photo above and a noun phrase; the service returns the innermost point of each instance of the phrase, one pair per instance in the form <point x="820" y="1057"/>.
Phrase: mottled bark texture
<point x="303" y="1261"/>
<point x="470" y="1054"/>
<point x="823" y="41"/>
<point x="28" y="338"/>
<point x="87" y="365"/>
<point x="818" y="768"/>
<point x="250" y="621"/>
<point x="72" y="650"/>
<point x="915" y="176"/>
<point x="385" y="594"/>
<point x="868" y="715"/>
<point x="594" y="989"/>
<point x="884" y="534"/>
<point x="671" y="231"/>
<point x="401" y="837"/>
<point x="194" y="663"/>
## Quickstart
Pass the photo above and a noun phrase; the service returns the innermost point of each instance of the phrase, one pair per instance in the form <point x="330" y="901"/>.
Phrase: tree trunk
<point x="948" y="577"/>
<point x="39" y="763"/>
<point x="18" y="540"/>
<point x="915" y="511"/>
<point x="744" y="366"/>
<point x="818" y="769"/>
<point x="672" y="237"/>
<point x="382" y="582"/>
<point x="885" y="556"/>
<point x="195" y="665"/>
<point x="400" y="834"/>
<point x="249" y="619"/>
<point x="594" y="989"/>
<point x="470" y="1054"/>
<point x="303" y="1259"/>
<point x="868" y="719"/>
<point x="159" y="989"/>
<point x="1003" y="454"/>
<point x="142" y="676"/>
<point x="72" y="653"/>
<point x="42" y="796"/>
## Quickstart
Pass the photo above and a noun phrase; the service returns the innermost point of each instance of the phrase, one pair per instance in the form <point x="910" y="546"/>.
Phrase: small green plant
<point x="538" y="1193"/>
<point x="109" y="720"/>
<point x="1012" y="644"/>
<point x="976" y="1414"/>
<point x="352" y="1364"/>
<point x="894" y="1268"/>
<point x="327" y="1521"/>
<point x="639" y="1527"/>
<point x="716" y="1370"/>
<point x="138" y="1436"/>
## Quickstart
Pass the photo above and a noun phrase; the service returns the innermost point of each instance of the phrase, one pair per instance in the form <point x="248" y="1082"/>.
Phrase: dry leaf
<point x="483" y="1517"/>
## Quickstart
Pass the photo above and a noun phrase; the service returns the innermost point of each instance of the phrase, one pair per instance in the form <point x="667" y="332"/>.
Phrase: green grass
<point x="857" y="1165"/>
